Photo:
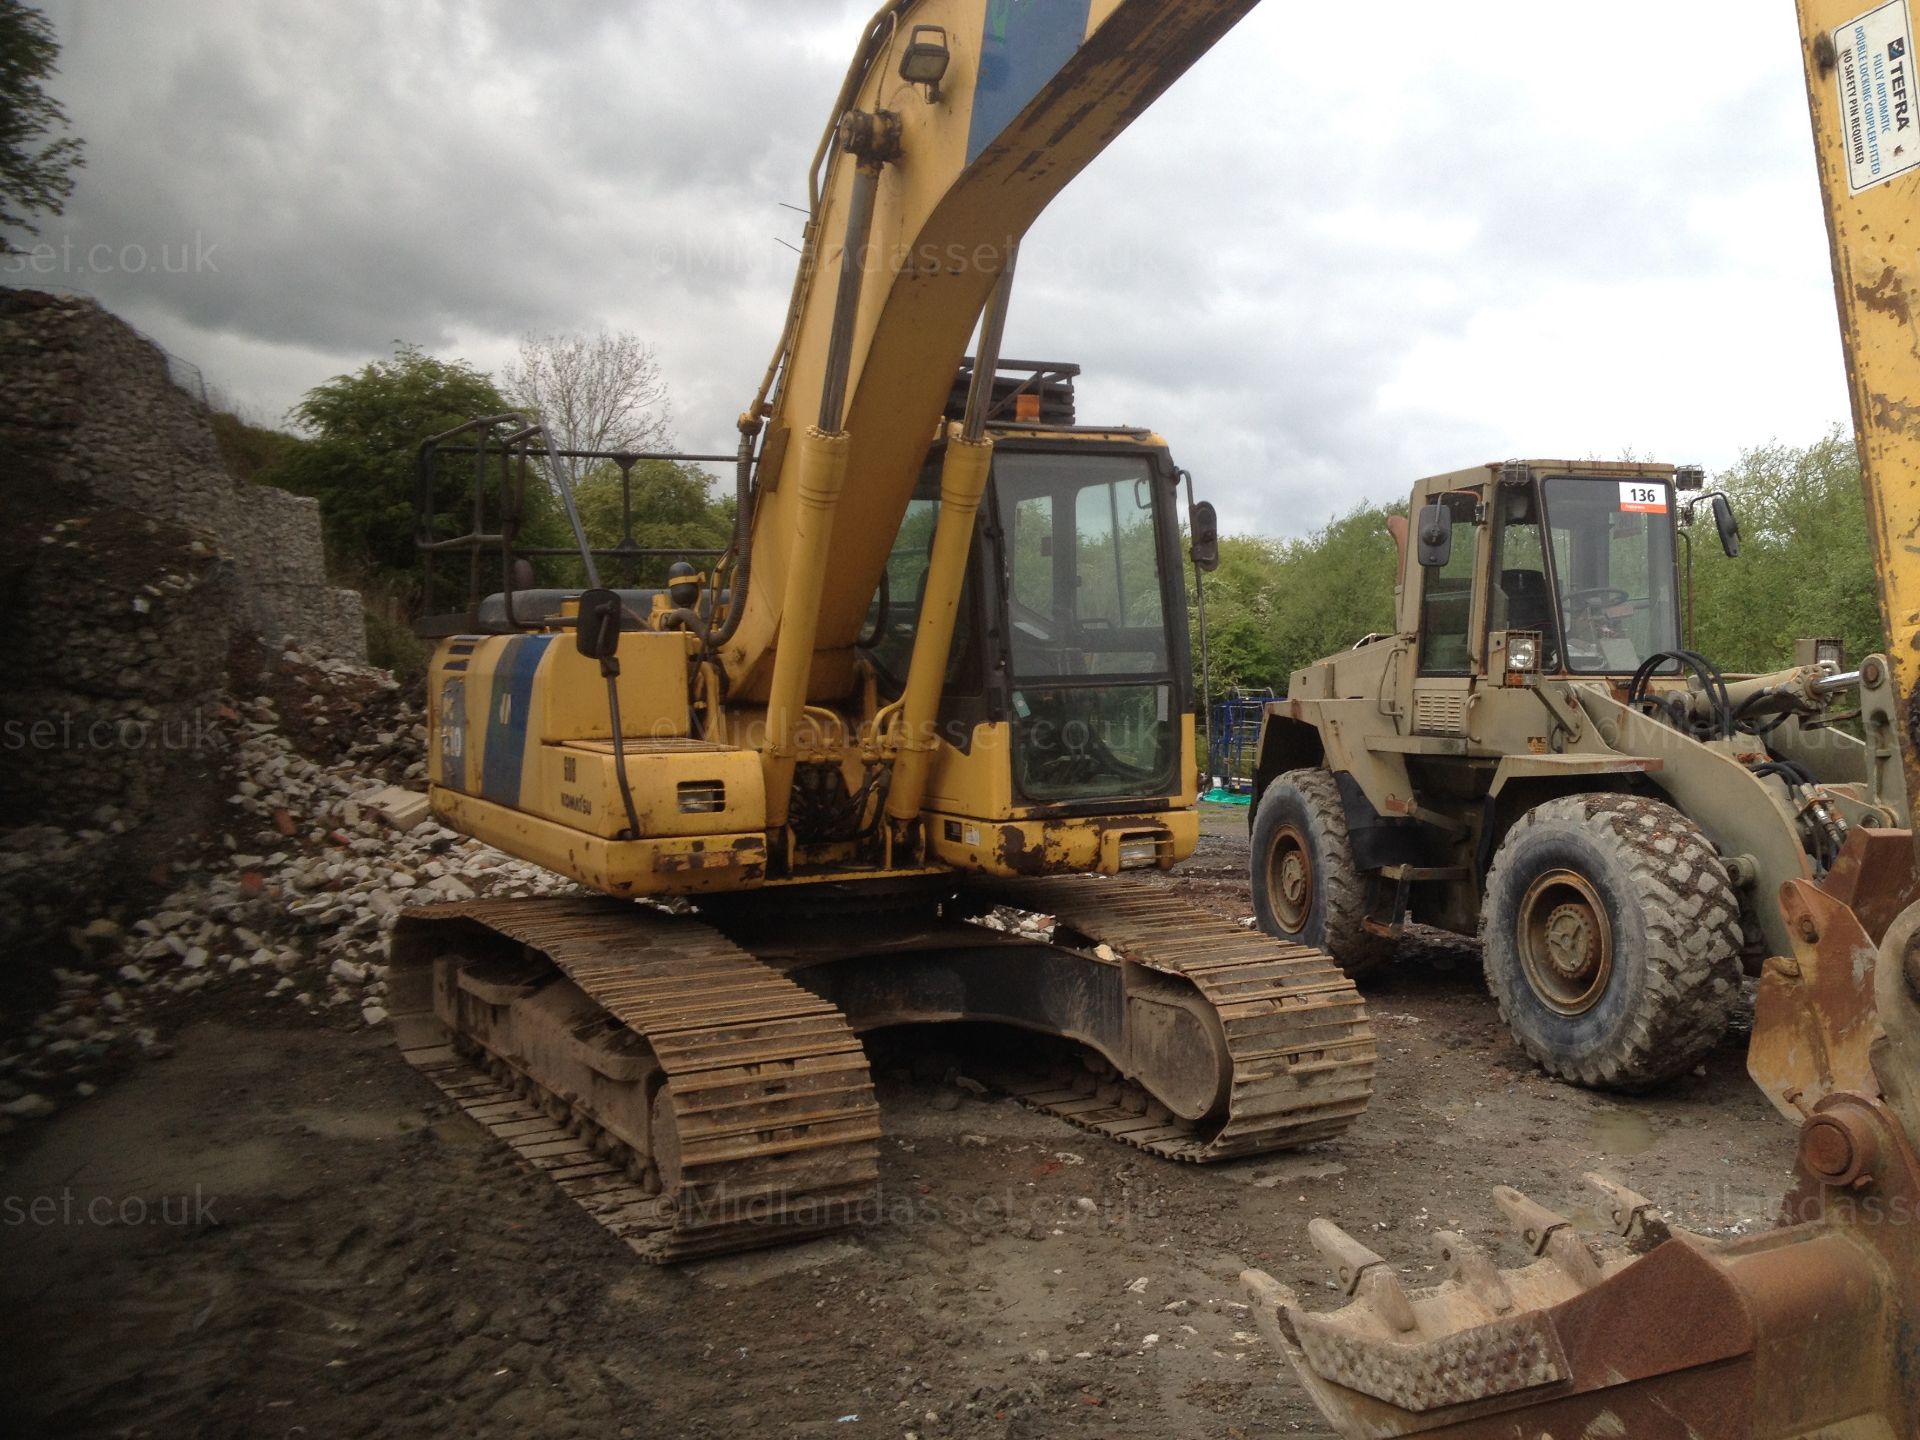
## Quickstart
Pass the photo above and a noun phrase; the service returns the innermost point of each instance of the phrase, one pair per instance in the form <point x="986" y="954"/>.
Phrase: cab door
<point x="1450" y="639"/>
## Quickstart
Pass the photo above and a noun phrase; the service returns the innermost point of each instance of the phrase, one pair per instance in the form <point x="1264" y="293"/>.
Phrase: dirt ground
<point x="283" y="1231"/>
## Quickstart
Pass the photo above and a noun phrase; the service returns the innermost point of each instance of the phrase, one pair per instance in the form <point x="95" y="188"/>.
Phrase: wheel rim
<point x="1565" y="942"/>
<point x="1290" y="879"/>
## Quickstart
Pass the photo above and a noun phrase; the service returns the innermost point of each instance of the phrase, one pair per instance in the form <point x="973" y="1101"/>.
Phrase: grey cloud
<point x="1246" y="270"/>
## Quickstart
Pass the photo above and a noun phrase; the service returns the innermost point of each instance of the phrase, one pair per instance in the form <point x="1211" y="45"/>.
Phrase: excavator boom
<point x="924" y="201"/>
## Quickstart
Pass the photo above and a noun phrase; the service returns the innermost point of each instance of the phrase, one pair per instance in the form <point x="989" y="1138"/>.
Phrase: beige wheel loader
<point x="1809" y="1331"/>
<point x="1536" y="757"/>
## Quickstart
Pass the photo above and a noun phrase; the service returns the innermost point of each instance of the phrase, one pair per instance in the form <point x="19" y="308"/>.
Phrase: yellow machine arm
<point x="1872" y="185"/>
<point x="927" y="190"/>
<point x="1812" y="1329"/>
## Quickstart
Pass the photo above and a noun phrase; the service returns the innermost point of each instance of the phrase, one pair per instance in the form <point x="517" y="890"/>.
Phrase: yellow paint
<point x="679" y="865"/>
<point x="570" y="696"/>
<point x="1875" y="238"/>
<point x="578" y="788"/>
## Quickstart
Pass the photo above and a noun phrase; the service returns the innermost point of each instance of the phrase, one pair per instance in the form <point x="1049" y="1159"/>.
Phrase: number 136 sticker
<point x="1643" y="498"/>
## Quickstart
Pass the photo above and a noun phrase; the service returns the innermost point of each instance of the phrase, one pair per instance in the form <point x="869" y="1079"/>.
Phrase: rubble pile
<point x="292" y="900"/>
<point x="333" y="712"/>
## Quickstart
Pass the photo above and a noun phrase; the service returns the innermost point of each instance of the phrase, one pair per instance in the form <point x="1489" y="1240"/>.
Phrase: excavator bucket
<point x="1644" y="1331"/>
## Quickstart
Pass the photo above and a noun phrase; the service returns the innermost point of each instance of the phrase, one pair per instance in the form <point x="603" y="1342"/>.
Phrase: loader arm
<point x="1812" y="1329"/>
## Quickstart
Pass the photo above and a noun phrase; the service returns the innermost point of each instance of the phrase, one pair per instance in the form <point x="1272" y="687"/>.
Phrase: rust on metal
<point x="1807" y="1332"/>
<point x="1875" y="877"/>
<point x="1840" y="1147"/>
<point x="1814" y="1021"/>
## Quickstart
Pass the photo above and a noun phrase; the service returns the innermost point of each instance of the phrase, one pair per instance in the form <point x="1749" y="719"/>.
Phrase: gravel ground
<point x="279" y="1230"/>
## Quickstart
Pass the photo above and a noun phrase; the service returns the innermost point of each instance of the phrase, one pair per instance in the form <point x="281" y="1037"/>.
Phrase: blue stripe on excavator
<point x="507" y="711"/>
<point x="1023" y="45"/>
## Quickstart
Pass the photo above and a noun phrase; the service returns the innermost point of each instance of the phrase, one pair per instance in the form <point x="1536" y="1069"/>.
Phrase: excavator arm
<point x="1811" y="1329"/>
<point x="927" y="190"/>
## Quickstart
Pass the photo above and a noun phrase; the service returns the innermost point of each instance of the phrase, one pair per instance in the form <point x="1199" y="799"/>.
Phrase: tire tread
<point x="1693" y="940"/>
<point x="1343" y="884"/>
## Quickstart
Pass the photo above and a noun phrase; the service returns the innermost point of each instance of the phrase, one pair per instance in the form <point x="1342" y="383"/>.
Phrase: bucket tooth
<point x="1549" y="1235"/>
<point x="1533" y="1220"/>
<point x="1631" y="1214"/>
<point x="1365" y="1276"/>
<point x="1473" y="1270"/>
<point x="1272" y="1303"/>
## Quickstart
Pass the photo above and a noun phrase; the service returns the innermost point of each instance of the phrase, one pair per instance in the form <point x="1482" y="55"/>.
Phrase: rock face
<point x="134" y="573"/>
<point x="94" y="399"/>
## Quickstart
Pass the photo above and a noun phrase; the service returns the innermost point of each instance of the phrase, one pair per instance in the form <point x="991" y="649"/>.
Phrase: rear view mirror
<point x="597" y="630"/>
<point x="1727" y="525"/>
<point x="1203" y="522"/>
<point x="1433" y="536"/>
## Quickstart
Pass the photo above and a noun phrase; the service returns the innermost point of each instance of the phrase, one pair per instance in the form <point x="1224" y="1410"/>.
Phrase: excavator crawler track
<point x="764" y="1128"/>
<point x="1297" y="1038"/>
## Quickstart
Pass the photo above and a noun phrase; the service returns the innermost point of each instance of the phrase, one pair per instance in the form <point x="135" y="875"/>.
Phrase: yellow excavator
<point x="1809" y="1331"/>
<point x="867" y="769"/>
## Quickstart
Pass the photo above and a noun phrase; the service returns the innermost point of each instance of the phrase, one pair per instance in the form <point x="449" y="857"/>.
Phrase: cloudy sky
<point x="1354" y="246"/>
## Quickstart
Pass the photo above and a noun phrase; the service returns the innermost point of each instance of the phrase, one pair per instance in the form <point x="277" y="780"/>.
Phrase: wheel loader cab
<point x="1578" y="567"/>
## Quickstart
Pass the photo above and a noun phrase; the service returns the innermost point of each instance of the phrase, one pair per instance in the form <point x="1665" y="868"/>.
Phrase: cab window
<point x="1446" y="595"/>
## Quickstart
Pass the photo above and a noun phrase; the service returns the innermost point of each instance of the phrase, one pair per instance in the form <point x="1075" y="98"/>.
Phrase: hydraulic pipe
<point x="821" y="477"/>
<point x="986" y="363"/>
<point x="846" y="305"/>
<point x="963" y="480"/>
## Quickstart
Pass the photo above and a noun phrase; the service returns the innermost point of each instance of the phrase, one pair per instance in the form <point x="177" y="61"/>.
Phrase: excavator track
<point x="762" y="1127"/>
<point x="1298" y="1040"/>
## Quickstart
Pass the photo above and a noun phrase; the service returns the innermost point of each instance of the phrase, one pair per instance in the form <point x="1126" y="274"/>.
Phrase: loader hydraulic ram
<point x="1811" y="1329"/>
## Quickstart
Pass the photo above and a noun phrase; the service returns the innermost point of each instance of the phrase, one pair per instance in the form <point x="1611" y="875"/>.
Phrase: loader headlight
<point x="1829" y="653"/>
<point x="1523" y="653"/>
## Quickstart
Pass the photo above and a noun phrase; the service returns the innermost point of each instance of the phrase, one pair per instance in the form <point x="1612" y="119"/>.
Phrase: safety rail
<point x="503" y="456"/>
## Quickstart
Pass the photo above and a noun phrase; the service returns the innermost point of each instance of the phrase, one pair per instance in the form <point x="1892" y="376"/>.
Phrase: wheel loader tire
<point x="1611" y="936"/>
<point x="1306" y="886"/>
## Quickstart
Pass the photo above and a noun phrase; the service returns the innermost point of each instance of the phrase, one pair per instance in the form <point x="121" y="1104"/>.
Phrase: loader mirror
<point x="1434" y="536"/>
<point x="1203" y="524"/>
<point x="597" y="629"/>
<point x="1728" y="526"/>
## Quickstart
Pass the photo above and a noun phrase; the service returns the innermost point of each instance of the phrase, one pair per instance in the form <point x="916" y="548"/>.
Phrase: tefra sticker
<point x="1643" y="499"/>
<point x="1874" y="71"/>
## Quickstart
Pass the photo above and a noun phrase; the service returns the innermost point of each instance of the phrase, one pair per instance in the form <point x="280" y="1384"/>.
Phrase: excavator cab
<point x="1087" y="540"/>
<point x="1071" y="630"/>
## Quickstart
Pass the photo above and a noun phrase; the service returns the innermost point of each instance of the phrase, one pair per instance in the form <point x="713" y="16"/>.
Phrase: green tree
<point x="360" y="458"/>
<point x="674" y="507"/>
<point x="1274" y="606"/>
<point x="36" y="163"/>
<point x="1805" y="566"/>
